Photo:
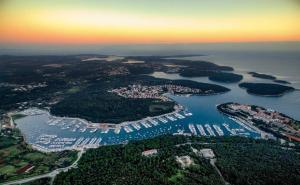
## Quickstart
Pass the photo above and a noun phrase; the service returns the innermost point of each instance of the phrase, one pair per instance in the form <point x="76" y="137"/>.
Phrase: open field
<point x="18" y="160"/>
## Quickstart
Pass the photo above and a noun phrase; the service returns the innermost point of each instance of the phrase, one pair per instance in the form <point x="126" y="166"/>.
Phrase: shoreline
<point x="88" y="124"/>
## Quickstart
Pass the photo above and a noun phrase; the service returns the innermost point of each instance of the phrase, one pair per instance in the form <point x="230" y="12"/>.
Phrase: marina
<point x="218" y="130"/>
<point x="191" y="120"/>
<point x="59" y="133"/>
<point x="192" y="129"/>
<point x="201" y="130"/>
<point x="209" y="130"/>
<point x="232" y="132"/>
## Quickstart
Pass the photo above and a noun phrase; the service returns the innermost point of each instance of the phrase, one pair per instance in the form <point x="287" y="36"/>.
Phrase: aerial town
<point x="268" y="120"/>
<point x="156" y="91"/>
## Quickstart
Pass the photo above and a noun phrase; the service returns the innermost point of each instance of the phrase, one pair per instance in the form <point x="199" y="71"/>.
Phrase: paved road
<point x="51" y="175"/>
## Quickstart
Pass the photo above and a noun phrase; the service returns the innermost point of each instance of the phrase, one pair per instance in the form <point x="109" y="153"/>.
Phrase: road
<point x="213" y="163"/>
<point x="51" y="175"/>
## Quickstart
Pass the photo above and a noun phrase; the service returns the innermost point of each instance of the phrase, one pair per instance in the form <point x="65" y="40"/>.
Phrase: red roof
<point x="24" y="168"/>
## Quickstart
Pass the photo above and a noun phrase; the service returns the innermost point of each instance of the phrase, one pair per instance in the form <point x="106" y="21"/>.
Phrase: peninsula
<point x="268" y="120"/>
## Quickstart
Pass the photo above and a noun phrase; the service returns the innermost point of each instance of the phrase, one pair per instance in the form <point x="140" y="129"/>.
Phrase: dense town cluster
<point x="155" y="92"/>
<point x="275" y="121"/>
<point x="24" y="88"/>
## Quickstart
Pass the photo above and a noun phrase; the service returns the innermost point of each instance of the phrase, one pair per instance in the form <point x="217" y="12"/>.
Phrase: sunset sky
<point x="147" y="21"/>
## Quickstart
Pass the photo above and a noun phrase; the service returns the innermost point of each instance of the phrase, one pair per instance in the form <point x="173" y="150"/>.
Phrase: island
<point x="266" y="89"/>
<point x="261" y="75"/>
<point x="268" y="120"/>
<point x="215" y="73"/>
<point x="225" y="77"/>
<point x="282" y="81"/>
<point x="268" y="77"/>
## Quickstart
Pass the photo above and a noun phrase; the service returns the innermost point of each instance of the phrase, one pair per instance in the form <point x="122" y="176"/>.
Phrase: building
<point x="207" y="153"/>
<point x="149" y="152"/>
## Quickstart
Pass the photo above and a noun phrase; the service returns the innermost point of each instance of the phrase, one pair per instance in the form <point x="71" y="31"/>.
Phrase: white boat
<point x="84" y="142"/>
<point x="186" y="113"/>
<point x="92" y="141"/>
<point x="209" y="130"/>
<point x="218" y="130"/>
<point x="162" y="120"/>
<point x="136" y="126"/>
<point x="201" y="130"/>
<point x="128" y="129"/>
<point x="74" y="129"/>
<point x="171" y="118"/>
<point x="232" y="132"/>
<point x="179" y="115"/>
<point x="98" y="141"/>
<point x="78" y="141"/>
<point x="117" y="130"/>
<point x="144" y="124"/>
<point x="192" y="129"/>
<point x="82" y="129"/>
<point x="104" y="130"/>
<point x="154" y="122"/>
<point x="93" y="130"/>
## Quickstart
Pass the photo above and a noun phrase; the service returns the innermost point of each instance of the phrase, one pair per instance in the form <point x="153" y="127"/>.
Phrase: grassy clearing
<point x="73" y="90"/>
<point x="15" y="154"/>
<point x="7" y="169"/>
<point x="177" y="176"/>
<point x="34" y="156"/>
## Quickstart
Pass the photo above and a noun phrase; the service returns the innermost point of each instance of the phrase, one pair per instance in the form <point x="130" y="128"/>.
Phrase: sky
<point x="75" y="22"/>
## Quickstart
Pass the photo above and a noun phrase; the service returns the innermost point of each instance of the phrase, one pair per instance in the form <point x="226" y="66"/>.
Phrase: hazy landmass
<point x="268" y="77"/>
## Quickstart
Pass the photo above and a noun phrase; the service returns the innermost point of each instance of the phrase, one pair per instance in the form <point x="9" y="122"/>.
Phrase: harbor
<point x="195" y="115"/>
<point x="63" y="133"/>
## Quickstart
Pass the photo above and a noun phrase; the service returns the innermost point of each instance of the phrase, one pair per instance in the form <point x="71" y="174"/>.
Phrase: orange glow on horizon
<point x="109" y="27"/>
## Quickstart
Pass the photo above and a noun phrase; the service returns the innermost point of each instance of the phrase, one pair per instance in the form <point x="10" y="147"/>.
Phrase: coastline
<point x="243" y="123"/>
<point x="88" y="124"/>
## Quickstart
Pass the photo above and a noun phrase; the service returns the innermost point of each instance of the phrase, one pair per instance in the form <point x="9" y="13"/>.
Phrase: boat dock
<point x="201" y="130"/>
<point x="117" y="130"/>
<point x="192" y="129"/>
<point x="218" y="130"/>
<point x="154" y="122"/>
<point x="232" y="132"/>
<point x="136" y="126"/>
<point x="179" y="115"/>
<point x="209" y="130"/>
<point x="162" y="120"/>
<point x="128" y="129"/>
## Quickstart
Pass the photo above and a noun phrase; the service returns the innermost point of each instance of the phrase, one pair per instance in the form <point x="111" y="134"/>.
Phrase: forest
<point x="242" y="161"/>
<point x="76" y="87"/>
